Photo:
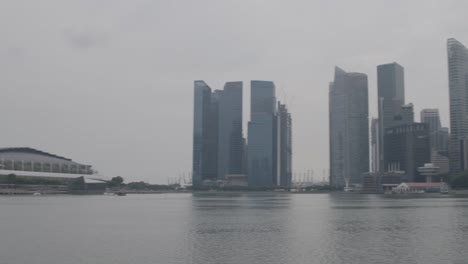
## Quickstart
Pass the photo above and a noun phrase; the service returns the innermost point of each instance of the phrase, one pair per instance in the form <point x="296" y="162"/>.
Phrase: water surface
<point x="232" y="228"/>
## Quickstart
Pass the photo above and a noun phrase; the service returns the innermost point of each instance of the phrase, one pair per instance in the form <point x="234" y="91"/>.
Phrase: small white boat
<point x="37" y="194"/>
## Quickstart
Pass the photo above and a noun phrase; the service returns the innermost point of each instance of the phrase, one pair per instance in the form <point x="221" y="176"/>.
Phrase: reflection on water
<point x="239" y="228"/>
<point x="233" y="228"/>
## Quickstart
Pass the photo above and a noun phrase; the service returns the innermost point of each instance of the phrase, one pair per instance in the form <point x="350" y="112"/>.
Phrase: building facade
<point x="218" y="144"/>
<point x="391" y="97"/>
<point x="458" y="94"/>
<point x="230" y="138"/>
<point x="285" y="147"/>
<point x="407" y="148"/>
<point x="349" y="128"/>
<point x="262" y="135"/>
<point x="32" y="160"/>
<point x="374" y="146"/>
<point x="205" y="132"/>
<point x="438" y="135"/>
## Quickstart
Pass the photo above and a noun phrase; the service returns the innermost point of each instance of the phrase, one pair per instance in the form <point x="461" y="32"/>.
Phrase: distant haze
<point x="110" y="83"/>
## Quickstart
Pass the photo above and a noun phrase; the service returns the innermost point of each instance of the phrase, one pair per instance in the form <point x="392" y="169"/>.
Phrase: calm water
<point x="232" y="228"/>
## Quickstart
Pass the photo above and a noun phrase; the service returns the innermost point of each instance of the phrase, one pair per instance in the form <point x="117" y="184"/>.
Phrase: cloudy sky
<point x="110" y="82"/>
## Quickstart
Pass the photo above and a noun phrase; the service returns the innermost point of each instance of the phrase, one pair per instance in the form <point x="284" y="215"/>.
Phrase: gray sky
<point x="110" y="82"/>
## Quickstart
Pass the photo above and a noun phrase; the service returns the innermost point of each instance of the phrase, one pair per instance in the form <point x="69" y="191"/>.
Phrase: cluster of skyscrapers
<point x="222" y="156"/>
<point x="398" y="144"/>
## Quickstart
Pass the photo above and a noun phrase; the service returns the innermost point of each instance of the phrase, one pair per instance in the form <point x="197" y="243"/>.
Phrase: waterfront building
<point x="32" y="163"/>
<point x="418" y="187"/>
<point x="230" y="139"/>
<point x="374" y="145"/>
<point x="349" y="128"/>
<point x="205" y="133"/>
<point x="381" y="182"/>
<point x="218" y="144"/>
<point x="263" y="135"/>
<point x="407" y="148"/>
<point x="457" y="55"/>
<point x="29" y="159"/>
<point x="429" y="171"/>
<point x="391" y="97"/>
<point x="285" y="147"/>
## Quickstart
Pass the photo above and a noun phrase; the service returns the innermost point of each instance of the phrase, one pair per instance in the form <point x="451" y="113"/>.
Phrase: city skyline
<point x="115" y="89"/>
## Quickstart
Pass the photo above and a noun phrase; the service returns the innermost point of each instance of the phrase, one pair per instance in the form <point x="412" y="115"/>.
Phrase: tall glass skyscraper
<point x="262" y="135"/>
<point x="218" y="144"/>
<point x="458" y="93"/>
<point x="285" y="146"/>
<point x="391" y="97"/>
<point x="432" y="118"/>
<point x="349" y="128"/>
<point x="230" y="139"/>
<point x="374" y="146"/>
<point x="205" y="133"/>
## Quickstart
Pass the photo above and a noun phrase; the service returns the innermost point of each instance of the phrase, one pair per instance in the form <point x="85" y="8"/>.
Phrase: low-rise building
<point x="381" y="182"/>
<point x="420" y="187"/>
<point x="31" y="166"/>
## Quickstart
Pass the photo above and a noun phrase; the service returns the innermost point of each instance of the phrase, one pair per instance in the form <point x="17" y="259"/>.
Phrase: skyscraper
<point x="432" y="119"/>
<point x="374" y="146"/>
<point x="391" y="97"/>
<point x="205" y="133"/>
<point x="406" y="149"/>
<point x="458" y="93"/>
<point x="218" y="144"/>
<point x="349" y="128"/>
<point x="285" y="146"/>
<point x="262" y="135"/>
<point x="230" y="140"/>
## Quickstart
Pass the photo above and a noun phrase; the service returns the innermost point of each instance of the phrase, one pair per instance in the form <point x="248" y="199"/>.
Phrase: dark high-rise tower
<point x="285" y="146"/>
<point x="218" y="144"/>
<point x="407" y="148"/>
<point x="391" y="97"/>
<point x="230" y="140"/>
<point x="349" y="128"/>
<point x="205" y="134"/>
<point x="458" y="91"/>
<point x="374" y="145"/>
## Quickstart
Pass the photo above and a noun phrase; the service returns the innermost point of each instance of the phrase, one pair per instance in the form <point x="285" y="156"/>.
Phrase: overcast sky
<point x="110" y="82"/>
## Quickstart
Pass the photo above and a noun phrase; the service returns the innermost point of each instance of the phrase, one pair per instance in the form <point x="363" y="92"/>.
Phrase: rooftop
<point x="31" y="151"/>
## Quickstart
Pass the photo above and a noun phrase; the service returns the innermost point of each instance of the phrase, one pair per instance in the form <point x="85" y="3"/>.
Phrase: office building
<point x="374" y="145"/>
<point x="407" y="148"/>
<point x="285" y="147"/>
<point x="263" y="135"/>
<point x="391" y="97"/>
<point x="205" y="132"/>
<point x="349" y="128"/>
<point x="438" y="136"/>
<point x="405" y="116"/>
<point x="458" y="93"/>
<point x="230" y="140"/>
<point x="218" y="144"/>
<point x="443" y="139"/>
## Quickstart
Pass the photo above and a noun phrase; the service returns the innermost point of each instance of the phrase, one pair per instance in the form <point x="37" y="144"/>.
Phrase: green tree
<point x="116" y="181"/>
